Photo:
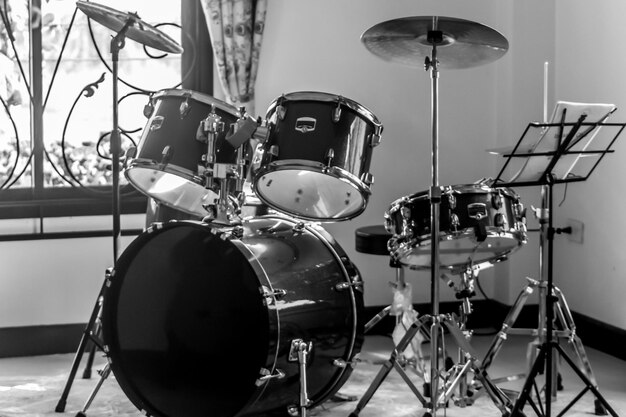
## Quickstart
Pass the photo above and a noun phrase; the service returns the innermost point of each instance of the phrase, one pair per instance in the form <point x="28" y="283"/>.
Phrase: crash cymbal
<point x="464" y="44"/>
<point x="138" y="31"/>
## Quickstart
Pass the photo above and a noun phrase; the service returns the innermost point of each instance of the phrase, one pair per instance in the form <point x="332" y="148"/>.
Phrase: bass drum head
<point x="185" y="324"/>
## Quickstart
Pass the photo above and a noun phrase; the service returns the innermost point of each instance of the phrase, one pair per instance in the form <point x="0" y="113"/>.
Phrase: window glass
<point x="77" y="88"/>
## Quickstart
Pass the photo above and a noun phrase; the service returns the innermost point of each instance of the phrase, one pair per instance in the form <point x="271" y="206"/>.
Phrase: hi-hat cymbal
<point x="464" y="44"/>
<point x="138" y="31"/>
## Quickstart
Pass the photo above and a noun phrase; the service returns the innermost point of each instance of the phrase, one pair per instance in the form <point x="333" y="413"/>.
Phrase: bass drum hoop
<point x="111" y="338"/>
<point x="134" y="393"/>
<point x="358" y="325"/>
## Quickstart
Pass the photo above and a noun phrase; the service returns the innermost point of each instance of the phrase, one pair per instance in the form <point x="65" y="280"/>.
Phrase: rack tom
<point x="315" y="163"/>
<point x="169" y="162"/>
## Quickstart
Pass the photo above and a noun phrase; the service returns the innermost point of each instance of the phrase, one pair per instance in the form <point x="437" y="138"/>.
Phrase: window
<point x="56" y="92"/>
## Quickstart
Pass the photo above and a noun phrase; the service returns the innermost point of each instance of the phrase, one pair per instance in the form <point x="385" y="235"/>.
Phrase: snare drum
<point x="315" y="163"/>
<point x="477" y="225"/>
<point x="200" y="322"/>
<point x="168" y="164"/>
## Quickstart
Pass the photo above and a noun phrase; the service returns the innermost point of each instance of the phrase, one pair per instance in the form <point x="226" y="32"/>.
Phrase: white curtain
<point x="236" y="29"/>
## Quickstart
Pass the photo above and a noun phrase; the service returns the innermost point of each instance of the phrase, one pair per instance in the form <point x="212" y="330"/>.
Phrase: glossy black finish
<point x="477" y="225"/>
<point x="459" y="203"/>
<point x="315" y="162"/>
<point x="348" y="137"/>
<point x="189" y="330"/>
<point x="179" y="132"/>
<point x="169" y="163"/>
<point x="372" y="240"/>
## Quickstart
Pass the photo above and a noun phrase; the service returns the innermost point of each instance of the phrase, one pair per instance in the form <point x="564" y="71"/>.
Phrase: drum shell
<point x="175" y="123"/>
<point x="419" y="206"/>
<point x="338" y="142"/>
<point x="272" y="255"/>
<point x="501" y="219"/>
<point x="353" y="155"/>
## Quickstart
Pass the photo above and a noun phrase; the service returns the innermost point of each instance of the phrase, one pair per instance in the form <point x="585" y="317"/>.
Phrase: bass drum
<point x="197" y="322"/>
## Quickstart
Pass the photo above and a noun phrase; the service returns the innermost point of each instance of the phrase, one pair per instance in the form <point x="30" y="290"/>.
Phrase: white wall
<point x="55" y="281"/>
<point x="316" y="46"/>
<point x="591" y="67"/>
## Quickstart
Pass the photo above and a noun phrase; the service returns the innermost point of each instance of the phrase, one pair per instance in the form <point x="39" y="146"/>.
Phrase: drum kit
<point x="261" y="311"/>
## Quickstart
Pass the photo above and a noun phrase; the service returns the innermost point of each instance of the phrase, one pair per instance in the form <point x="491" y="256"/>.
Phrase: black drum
<point x="198" y="322"/>
<point x="477" y="225"/>
<point x="168" y="164"/>
<point x="315" y="163"/>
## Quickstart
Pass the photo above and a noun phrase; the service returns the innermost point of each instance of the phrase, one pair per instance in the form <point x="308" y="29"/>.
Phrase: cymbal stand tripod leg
<point x="92" y="355"/>
<point x="104" y="374"/>
<point x="565" y="316"/>
<point x="471" y="364"/>
<point x="507" y="325"/>
<point x="456" y="376"/>
<point x="456" y="373"/>
<point x="89" y="333"/>
<point x="391" y="363"/>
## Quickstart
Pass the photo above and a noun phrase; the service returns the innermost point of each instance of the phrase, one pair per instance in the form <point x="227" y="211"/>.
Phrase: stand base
<point x="538" y="367"/>
<point x="439" y="394"/>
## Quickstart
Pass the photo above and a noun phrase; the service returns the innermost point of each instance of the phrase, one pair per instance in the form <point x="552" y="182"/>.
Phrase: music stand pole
<point x="544" y="361"/>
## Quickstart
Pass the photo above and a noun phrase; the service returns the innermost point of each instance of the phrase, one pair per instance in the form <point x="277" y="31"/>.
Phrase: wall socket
<point x="577" y="230"/>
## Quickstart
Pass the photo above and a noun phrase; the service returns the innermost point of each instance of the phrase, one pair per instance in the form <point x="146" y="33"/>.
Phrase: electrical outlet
<point x="577" y="230"/>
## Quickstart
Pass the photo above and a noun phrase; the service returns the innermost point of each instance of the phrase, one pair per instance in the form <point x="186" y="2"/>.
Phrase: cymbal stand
<point x="434" y="37"/>
<point x="92" y="329"/>
<point x="394" y="362"/>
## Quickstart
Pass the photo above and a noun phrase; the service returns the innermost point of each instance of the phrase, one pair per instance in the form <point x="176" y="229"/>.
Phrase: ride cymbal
<point x="463" y="44"/>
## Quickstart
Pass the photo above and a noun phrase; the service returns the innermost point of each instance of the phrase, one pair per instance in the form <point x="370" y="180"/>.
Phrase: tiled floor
<point x="31" y="386"/>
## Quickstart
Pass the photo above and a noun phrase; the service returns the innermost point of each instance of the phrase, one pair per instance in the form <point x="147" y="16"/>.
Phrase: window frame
<point x="40" y="202"/>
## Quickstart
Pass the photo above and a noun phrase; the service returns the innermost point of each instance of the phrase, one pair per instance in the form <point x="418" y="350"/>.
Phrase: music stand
<point x="560" y="155"/>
